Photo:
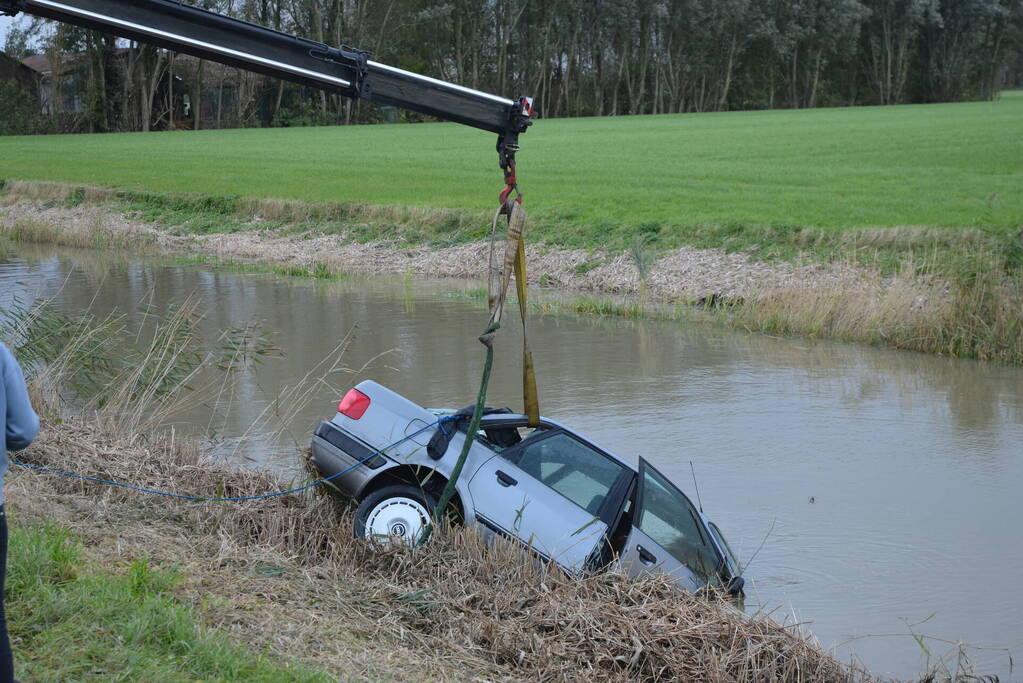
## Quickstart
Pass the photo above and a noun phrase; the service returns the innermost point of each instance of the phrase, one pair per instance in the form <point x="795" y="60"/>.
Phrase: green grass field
<point x="951" y="165"/>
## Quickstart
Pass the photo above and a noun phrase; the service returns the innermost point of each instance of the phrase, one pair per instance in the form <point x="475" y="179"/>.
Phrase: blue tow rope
<point x="206" y="499"/>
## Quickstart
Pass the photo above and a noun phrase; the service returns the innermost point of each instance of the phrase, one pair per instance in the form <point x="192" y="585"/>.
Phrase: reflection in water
<point x="890" y="479"/>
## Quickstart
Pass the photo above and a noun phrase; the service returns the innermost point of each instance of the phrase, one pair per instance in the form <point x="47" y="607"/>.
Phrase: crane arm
<point x="348" y="72"/>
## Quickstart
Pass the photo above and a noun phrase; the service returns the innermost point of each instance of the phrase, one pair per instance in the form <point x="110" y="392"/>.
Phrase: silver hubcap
<point x="397" y="519"/>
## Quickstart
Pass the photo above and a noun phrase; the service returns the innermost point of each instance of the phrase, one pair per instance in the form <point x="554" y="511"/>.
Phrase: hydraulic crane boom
<point x="183" y="28"/>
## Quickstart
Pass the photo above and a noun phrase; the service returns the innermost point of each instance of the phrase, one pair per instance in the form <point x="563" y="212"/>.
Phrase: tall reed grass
<point x="93" y="233"/>
<point x="130" y="383"/>
<point x="274" y="211"/>
<point x="935" y="304"/>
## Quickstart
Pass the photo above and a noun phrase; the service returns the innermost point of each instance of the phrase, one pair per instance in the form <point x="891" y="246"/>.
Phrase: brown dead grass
<point x="296" y="211"/>
<point x="261" y="209"/>
<point x="456" y="609"/>
<point x="43" y="191"/>
<point x="92" y="231"/>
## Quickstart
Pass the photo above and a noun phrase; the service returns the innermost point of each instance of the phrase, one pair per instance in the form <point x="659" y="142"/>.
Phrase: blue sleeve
<point x="22" y="421"/>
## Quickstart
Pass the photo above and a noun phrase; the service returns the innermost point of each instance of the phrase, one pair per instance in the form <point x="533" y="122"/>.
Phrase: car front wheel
<point x="394" y="514"/>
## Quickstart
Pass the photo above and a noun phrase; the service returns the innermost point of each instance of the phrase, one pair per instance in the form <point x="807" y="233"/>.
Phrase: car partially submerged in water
<point x="567" y="499"/>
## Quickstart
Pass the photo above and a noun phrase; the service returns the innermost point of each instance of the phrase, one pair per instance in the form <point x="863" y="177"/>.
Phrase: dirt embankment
<point x="687" y="274"/>
<point x="954" y="292"/>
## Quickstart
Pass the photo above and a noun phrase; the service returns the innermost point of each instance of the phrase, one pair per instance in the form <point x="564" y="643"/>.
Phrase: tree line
<point x="576" y="57"/>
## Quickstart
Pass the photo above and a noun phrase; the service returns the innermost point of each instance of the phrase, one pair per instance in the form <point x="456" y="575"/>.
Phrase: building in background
<point x="19" y="75"/>
<point x="139" y="91"/>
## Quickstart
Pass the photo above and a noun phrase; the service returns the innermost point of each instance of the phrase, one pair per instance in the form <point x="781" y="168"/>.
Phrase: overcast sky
<point x="4" y="23"/>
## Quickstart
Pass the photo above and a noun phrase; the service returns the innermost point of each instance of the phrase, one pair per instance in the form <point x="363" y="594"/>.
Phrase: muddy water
<point x="882" y="488"/>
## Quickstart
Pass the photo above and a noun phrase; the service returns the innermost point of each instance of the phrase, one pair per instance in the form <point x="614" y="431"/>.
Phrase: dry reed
<point x="981" y="317"/>
<point x="44" y="191"/>
<point x="459" y="596"/>
<point x="262" y="209"/>
<point x="91" y="233"/>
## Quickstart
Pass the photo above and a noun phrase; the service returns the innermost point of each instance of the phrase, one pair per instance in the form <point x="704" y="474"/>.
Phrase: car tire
<point x="393" y="513"/>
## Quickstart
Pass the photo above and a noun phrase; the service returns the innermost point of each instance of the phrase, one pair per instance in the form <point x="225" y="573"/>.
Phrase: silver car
<point x="553" y="490"/>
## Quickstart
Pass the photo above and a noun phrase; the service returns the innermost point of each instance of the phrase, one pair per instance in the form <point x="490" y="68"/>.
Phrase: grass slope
<point x="73" y="621"/>
<point x="945" y="165"/>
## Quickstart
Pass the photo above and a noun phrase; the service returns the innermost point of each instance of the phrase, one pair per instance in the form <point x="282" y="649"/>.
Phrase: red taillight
<point x="354" y="404"/>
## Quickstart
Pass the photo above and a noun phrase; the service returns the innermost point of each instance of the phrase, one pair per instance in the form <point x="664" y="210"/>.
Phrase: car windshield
<point x="667" y="517"/>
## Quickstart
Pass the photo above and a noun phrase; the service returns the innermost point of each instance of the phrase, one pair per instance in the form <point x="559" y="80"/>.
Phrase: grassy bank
<point x="71" y="618"/>
<point x="953" y="292"/>
<point x="286" y="584"/>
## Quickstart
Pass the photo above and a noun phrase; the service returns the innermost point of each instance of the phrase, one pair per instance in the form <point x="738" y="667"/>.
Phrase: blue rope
<point x="239" y="499"/>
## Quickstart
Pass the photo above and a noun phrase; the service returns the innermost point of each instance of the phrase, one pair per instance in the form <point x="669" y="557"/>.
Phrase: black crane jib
<point x="349" y="72"/>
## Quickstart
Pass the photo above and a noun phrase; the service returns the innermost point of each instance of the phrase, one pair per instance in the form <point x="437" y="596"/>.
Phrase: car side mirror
<point x="735" y="585"/>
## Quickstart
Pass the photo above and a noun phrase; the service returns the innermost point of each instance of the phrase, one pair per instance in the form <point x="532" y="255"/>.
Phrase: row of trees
<point x="577" y="57"/>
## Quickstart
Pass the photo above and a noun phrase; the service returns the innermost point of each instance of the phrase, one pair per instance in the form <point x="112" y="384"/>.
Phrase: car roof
<point x="516" y="417"/>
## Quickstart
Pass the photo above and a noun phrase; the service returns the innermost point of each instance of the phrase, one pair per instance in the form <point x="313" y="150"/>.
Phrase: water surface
<point x="877" y="489"/>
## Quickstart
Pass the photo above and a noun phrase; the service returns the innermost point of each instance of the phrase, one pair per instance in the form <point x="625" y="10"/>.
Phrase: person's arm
<point x="22" y="421"/>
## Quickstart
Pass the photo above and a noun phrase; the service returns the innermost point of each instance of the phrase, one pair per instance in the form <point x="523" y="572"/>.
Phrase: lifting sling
<point x="499" y="275"/>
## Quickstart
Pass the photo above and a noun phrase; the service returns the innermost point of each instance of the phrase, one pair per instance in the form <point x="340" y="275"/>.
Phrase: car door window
<point x="573" y="469"/>
<point x="667" y="517"/>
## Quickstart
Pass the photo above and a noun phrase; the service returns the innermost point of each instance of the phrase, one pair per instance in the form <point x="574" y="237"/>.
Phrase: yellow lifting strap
<point x="500" y="278"/>
<point x="530" y="399"/>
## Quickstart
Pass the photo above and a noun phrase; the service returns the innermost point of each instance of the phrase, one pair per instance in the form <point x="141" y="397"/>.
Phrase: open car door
<point x="667" y="535"/>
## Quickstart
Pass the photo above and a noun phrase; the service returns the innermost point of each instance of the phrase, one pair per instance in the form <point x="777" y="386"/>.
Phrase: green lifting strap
<point x="487" y="339"/>
<point x="514" y="260"/>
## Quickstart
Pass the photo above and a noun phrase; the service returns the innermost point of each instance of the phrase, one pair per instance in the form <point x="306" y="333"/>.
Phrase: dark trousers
<point x="6" y="658"/>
